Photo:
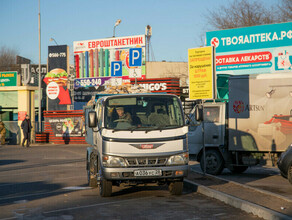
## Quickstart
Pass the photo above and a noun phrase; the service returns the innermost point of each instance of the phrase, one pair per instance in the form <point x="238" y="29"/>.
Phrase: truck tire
<point x="215" y="162"/>
<point x="237" y="169"/>
<point x="176" y="188"/>
<point x="91" y="172"/>
<point x="105" y="188"/>
<point x="283" y="175"/>
<point x="289" y="173"/>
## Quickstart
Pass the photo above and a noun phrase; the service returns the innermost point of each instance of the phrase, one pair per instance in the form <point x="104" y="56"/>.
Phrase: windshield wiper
<point x="160" y="127"/>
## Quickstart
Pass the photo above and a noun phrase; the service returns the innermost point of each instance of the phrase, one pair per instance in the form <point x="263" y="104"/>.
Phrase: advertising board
<point x="250" y="50"/>
<point x="57" y="76"/>
<point x="8" y="79"/>
<point x="110" y="57"/>
<point x="201" y="73"/>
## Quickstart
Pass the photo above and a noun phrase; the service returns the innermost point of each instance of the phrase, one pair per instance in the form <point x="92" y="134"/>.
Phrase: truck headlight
<point x="179" y="159"/>
<point x="111" y="161"/>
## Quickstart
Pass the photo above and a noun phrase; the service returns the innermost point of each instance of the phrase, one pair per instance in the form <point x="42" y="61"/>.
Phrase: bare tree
<point x="285" y="10"/>
<point x="240" y="13"/>
<point x="7" y="56"/>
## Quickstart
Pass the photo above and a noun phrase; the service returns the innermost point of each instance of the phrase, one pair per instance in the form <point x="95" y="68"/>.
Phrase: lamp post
<point x="52" y="39"/>
<point x="40" y="78"/>
<point x="116" y="24"/>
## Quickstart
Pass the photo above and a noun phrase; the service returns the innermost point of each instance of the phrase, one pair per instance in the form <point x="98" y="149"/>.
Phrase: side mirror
<point x="92" y="119"/>
<point x="199" y="113"/>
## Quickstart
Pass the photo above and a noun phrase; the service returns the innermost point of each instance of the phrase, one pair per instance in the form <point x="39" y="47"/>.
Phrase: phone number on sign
<point x="62" y="54"/>
<point x="88" y="82"/>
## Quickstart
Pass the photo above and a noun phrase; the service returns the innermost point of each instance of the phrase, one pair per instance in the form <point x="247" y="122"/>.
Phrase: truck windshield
<point x="143" y="113"/>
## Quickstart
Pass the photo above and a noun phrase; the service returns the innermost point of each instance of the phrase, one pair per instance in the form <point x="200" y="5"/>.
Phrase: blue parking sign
<point x="135" y="56"/>
<point x="116" y="68"/>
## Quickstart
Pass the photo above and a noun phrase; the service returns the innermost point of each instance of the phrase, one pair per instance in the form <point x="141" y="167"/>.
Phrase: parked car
<point x="285" y="163"/>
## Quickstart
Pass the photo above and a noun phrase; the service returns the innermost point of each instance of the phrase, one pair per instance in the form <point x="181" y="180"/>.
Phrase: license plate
<point x="147" y="173"/>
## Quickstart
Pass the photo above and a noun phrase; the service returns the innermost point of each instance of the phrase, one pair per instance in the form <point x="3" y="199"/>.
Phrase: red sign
<point x="243" y="58"/>
<point x="167" y="85"/>
<point x="21" y="115"/>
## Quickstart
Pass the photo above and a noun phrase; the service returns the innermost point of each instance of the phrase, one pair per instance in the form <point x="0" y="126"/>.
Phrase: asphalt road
<point x="50" y="182"/>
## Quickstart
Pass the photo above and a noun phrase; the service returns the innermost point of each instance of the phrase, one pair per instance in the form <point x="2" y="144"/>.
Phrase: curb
<point x="248" y="187"/>
<point x="246" y="206"/>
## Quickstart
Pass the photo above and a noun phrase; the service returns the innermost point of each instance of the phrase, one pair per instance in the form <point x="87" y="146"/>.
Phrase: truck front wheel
<point x="91" y="172"/>
<point x="289" y="174"/>
<point x="105" y="188"/>
<point x="176" y="188"/>
<point x="214" y="162"/>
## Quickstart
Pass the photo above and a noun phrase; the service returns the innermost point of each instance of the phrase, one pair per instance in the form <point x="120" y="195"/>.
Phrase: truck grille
<point x="146" y="161"/>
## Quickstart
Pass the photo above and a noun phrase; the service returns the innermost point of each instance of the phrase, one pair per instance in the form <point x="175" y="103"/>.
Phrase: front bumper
<point x="168" y="172"/>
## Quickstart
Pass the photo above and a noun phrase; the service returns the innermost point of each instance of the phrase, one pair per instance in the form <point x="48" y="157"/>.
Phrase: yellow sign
<point x="201" y="73"/>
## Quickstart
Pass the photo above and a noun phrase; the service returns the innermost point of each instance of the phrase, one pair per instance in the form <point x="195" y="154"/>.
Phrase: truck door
<point x="214" y="122"/>
<point x="214" y="125"/>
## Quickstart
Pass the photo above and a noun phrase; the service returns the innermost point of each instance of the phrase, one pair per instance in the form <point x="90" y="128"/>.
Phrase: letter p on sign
<point x="116" y="68"/>
<point x="135" y="56"/>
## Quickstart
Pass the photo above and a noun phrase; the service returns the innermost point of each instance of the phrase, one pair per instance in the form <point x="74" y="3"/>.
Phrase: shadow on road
<point x="41" y="164"/>
<point x="7" y="162"/>
<point x="14" y="192"/>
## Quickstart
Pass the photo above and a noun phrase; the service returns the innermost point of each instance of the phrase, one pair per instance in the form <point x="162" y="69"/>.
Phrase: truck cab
<point x="145" y="144"/>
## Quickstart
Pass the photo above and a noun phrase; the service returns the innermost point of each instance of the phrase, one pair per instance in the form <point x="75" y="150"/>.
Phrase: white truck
<point x="151" y="147"/>
<point x="253" y="125"/>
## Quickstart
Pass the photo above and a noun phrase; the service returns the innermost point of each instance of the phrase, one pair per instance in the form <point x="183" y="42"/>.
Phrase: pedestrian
<point x="2" y="133"/>
<point x="26" y="128"/>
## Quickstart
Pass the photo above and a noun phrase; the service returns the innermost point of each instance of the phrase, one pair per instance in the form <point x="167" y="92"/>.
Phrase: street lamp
<point x="116" y="24"/>
<point x="52" y="39"/>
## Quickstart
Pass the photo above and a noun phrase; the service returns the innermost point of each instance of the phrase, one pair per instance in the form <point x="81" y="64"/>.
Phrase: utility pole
<point x="40" y="76"/>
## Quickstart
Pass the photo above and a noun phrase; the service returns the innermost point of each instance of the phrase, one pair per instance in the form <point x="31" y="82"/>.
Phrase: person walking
<point x="26" y="128"/>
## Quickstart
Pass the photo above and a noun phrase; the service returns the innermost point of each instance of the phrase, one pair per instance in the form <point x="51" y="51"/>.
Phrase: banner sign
<point x="160" y="85"/>
<point x="63" y="127"/>
<point x="99" y="81"/>
<point x="58" y="68"/>
<point x="109" y="43"/>
<point x="110" y="57"/>
<point x="8" y="79"/>
<point x="85" y="88"/>
<point x="201" y="73"/>
<point x="253" y="50"/>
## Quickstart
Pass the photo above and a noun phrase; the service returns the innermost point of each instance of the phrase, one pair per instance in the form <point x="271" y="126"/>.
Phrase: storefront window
<point x="9" y="106"/>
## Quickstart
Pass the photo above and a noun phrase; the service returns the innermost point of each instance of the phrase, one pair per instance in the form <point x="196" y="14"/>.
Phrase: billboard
<point x="8" y="79"/>
<point x="201" y="73"/>
<point x="253" y="50"/>
<point x="56" y="78"/>
<point x="110" y="57"/>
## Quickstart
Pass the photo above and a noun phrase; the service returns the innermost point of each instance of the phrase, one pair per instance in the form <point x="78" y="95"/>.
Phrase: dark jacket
<point x="26" y="126"/>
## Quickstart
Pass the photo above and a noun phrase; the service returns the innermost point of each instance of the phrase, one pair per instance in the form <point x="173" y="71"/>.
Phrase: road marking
<point x="93" y="205"/>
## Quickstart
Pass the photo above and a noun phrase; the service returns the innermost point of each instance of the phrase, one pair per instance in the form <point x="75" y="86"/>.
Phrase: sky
<point x="176" y="24"/>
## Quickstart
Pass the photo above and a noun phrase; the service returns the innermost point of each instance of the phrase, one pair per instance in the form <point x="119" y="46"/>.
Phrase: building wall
<point x="168" y="69"/>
